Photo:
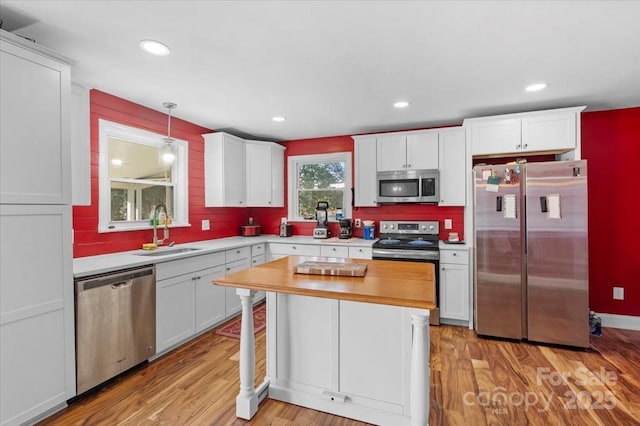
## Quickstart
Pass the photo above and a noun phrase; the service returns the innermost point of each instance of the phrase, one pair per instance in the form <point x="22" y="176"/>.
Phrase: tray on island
<point x="331" y="268"/>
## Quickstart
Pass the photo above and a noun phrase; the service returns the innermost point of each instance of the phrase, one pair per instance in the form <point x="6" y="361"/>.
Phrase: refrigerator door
<point x="499" y="253"/>
<point x="557" y="253"/>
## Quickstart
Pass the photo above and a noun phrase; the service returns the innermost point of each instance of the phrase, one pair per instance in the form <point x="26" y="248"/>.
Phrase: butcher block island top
<point x="409" y="284"/>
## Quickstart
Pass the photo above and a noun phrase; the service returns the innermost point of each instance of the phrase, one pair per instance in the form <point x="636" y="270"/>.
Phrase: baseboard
<point x="626" y="322"/>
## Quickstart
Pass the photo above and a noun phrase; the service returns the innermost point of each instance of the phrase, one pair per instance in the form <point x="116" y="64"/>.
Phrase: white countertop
<point x="91" y="265"/>
<point x="455" y="246"/>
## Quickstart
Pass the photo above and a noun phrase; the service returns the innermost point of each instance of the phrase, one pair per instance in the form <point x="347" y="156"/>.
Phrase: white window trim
<point x="292" y="167"/>
<point x="108" y="129"/>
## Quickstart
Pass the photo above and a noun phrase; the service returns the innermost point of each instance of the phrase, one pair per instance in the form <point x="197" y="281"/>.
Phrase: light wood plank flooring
<point x="475" y="381"/>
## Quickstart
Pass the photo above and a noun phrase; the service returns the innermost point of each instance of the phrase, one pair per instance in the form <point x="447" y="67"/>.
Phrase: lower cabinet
<point x="237" y="260"/>
<point x="278" y="250"/>
<point x="187" y="303"/>
<point x="329" y="350"/>
<point x="258" y="257"/>
<point x="454" y="285"/>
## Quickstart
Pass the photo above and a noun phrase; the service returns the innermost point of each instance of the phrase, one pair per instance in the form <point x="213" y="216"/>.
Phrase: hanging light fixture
<point x="167" y="153"/>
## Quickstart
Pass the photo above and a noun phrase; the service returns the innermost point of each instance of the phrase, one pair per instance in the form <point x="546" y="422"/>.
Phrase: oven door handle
<point x="404" y="254"/>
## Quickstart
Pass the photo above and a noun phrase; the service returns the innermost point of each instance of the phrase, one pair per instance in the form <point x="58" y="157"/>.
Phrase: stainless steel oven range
<point x="415" y="241"/>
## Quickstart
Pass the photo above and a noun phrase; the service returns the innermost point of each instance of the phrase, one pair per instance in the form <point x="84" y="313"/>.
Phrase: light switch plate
<point x="448" y="224"/>
<point x="205" y="225"/>
<point x="618" y="293"/>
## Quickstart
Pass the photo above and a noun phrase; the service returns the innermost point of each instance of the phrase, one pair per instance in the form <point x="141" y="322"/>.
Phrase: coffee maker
<point x="345" y="229"/>
<point x="322" y="228"/>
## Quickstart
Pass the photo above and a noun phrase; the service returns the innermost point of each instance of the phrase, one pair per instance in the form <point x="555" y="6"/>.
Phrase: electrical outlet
<point x="448" y="224"/>
<point x="618" y="293"/>
<point x="205" y="225"/>
<point x="358" y="223"/>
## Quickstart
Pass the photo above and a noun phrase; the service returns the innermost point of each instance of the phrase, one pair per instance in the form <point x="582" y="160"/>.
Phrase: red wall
<point x="611" y="145"/>
<point x="269" y="218"/>
<point x="225" y="222"/>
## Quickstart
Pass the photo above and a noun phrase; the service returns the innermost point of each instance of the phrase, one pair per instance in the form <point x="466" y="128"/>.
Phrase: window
<point x="321" y="177"/>
<point x="135" y="178"/>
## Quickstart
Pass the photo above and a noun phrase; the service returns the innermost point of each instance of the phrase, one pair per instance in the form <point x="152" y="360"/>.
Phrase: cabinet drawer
<point x="257" y="260"/>
<point x="237" y="266"/>
<point x="238" y="254"/>
<point x="294" y="249"/>
<point x="360" y="252"/>
<point x="460" y="257"/>
<point x="257" y="249"/>
<point x="334" y="251"/>
<point x="188" y="265"/>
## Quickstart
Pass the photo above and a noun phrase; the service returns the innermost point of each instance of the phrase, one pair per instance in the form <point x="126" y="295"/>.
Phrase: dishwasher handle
<point x="122" y="284"/>
<point x="113" y="280"/>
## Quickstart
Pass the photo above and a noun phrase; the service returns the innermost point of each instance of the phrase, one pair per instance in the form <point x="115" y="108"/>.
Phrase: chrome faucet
<point x="154" y="219"/>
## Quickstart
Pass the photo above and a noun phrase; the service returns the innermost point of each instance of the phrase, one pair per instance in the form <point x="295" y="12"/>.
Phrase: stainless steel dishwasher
<point x="115" y="323"/>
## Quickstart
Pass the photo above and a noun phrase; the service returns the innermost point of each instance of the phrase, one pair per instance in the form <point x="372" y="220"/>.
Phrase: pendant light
<point x="167" y="153"/>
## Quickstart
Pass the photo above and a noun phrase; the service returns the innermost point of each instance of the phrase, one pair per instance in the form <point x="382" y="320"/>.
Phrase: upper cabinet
<point x="364" y="171"/>
<point x="224" y="170"/>
<point x="452" y="166"/>
<point x="80" y="147"/>
<point x="264" y="174"/>
<point x="34" y="107"/>
<point x="242" y="173"/>
<point x="407" y="151"/>
<point x="554" y="131"/>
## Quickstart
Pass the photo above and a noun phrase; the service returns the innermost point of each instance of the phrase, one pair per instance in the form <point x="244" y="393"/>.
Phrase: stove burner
<point x="389" y="241"/>
<point x="420" y="243"/>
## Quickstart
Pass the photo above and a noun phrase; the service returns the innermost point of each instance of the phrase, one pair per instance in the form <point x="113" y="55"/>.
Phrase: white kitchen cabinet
<point x="552" y="131"/>
<point x="454" y="285"/>
<point x="402" y="151"/>
<point x="278" y="250"/>
<point x="264" y="174"/>
<point x="236" y="260"/>
<point x="37" y="339"/>
<point x="360" y="252"/>
<point x="452" y="166"/>
<point x="334" y="251"/>
<point x="224" y="170"/>
<point x="35" y="131"/>
<point x="186" y="300"/>
<point x="210" y="299"/>
<point x="80" y="147"/>
<point x="365" y="163"/>
<point x="258" y="257"/>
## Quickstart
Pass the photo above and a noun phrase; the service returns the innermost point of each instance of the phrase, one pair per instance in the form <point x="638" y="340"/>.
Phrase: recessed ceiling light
<point x="401" y="104"/>
<point x="154" y="47"/>
<point x="116" y="162"/>
<point x="278" y="119"/>
<point x="535" y="87"/>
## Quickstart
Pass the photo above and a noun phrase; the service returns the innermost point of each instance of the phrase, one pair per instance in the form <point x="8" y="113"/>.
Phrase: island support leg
<point x="420" y="375"/>
<point x="247" y="400"/>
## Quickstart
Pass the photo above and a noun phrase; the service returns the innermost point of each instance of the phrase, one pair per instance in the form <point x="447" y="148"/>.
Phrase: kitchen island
<point x="357" y="347"/>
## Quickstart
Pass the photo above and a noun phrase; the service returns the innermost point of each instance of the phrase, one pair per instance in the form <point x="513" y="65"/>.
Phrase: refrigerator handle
<point x="543" y="204"/>
<point x="499" y="203"/>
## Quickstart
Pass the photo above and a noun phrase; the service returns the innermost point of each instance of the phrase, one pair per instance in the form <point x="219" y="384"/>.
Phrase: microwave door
<point x="398" y="190"/>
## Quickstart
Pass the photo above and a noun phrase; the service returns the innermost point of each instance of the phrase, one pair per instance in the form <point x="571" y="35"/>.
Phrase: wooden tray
<point x="331" y="268"/>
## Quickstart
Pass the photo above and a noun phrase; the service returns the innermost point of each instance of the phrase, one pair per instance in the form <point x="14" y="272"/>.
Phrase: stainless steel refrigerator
<point x="531" y="277"/>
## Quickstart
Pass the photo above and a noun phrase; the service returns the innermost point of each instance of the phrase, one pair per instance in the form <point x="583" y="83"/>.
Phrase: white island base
<point x="364" y="361"/>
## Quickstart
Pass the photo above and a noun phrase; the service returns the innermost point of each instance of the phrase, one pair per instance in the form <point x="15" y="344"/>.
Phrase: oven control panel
<point x="409" y="227"/>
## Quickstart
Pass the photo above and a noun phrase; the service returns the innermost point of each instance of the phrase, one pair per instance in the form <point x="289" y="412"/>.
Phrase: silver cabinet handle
<point x="525" y="146"/>
<point x="518" y="146"/>
<point x="455" y="254"/>
<point x="294" y="247"/>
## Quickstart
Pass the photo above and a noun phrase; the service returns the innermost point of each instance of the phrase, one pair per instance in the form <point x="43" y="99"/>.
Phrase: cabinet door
<point x="549" y="132"/>
<point x="224" y="169"/>
<point x="365" y="172"/>
<point x="210" y="298"/>
<point x="35" y="161"/>
<point x="175" y="311"/>
<point x="334" y="251"/>
<point x="258" y="162"/>
<point x="422" y="151"/>
<point x="498" y="136"/>
<point x="452" y="167"/>
<point x="360" y="252"/>
<point x="277" y="175"/>
<point x="391" y="152"/>
<point x="382" y="330"/>
<point x="80" y="147"/>
<point x="454" y="291"/>
<point x="232" y="300"/>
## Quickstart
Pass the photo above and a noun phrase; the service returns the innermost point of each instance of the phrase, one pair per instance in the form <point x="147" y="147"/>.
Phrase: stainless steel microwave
<point x="408" y="186"/>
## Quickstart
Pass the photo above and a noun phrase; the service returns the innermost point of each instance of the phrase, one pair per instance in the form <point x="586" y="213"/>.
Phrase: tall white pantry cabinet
<point x="37" y="356"/>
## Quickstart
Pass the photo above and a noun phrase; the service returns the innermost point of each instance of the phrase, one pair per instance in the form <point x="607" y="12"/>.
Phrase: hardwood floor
<point x="474" y="381"/>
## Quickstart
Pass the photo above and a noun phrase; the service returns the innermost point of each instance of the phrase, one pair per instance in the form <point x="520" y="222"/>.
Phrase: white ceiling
<point x="336" y="67"/>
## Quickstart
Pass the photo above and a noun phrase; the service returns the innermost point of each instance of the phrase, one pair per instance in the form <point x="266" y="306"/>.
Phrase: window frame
<point x="293" y="163"/>
<point x="179" y="173"/>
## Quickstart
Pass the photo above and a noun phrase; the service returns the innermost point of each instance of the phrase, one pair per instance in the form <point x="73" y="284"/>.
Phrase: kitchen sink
<point x="163" y="252"/>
